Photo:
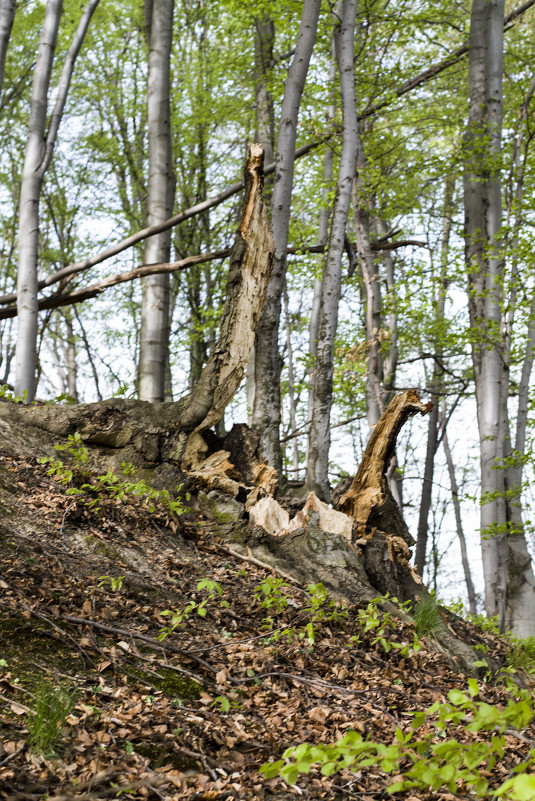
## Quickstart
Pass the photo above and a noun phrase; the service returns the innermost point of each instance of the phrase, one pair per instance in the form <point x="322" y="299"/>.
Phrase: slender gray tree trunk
<point x="457" y="510"/>
<point x="323" y="230"/>
<point x="7" y="15"/>
<point x="154" y="337"/>
<point x="291" y="388"/>
<point x="267" y="402"/>
<point x="436" y="382"/>
<point x="320" y="432"/>
<point x="39" y="150"/>
<point x="372" y="296"/>
<point x="32" y="179"/>
<point x="520" y="603"/>
<point x="70" y="357"/>
<point x="482" y="195"/>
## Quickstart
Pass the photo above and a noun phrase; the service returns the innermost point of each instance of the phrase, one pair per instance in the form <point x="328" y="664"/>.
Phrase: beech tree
<point x="509" y="595"/>
<point x="39" y="151"/>
<point x="267" y="402"/>
<point x="7" y="15"/>
<point x="154" y="337"/>
<point x="374" y="301"/>
<point x="319" y="437"/>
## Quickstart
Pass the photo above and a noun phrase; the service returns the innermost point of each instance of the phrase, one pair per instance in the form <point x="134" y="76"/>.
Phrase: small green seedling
<point x="115" y="583"/>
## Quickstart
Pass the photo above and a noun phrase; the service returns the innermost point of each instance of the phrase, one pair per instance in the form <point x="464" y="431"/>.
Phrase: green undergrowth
<point x="51" y="707"/>
<point x="427" y="616"/>
<point x="520" y="651"/>
<point x="93" y="491"/>
<point x="427" y="756"/>
<point x="39" y="649"/>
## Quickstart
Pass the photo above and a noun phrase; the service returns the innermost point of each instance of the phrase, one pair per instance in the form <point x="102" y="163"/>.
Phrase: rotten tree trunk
<point x="149" y="435"/>
<point x="379" y="526"/>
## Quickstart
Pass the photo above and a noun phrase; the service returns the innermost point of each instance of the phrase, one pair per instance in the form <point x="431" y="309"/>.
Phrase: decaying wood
<point x="149" y="434"/>
<point x="217" y="473"/>
<point x="244" y="446"/>
<point x="250" y="268"/>
<point x="369" y="500"/>
<point x="270" y="515"/>
<point x="379" y="527"/>
<point x="230" y="464"/>
<point x="329" y="520"/>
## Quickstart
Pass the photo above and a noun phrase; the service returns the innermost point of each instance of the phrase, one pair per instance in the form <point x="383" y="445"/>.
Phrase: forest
<point x="267" y="330"/>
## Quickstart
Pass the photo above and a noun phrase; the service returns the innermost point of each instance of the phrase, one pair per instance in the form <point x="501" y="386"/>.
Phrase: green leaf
<point x="289" y="773"/>
<point x="272" y="769"/>
<point x="519" y="788"/>
<point x="397" y="787"/>
<point x="457" y="697"/>
<point x="473" y="687"/>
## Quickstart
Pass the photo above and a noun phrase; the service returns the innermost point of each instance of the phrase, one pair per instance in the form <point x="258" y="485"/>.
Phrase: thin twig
<point x="265" y="565"/>
<point x="83" y="621"/>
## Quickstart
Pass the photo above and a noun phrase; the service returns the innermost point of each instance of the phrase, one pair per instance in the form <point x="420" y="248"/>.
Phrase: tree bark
<point x="379" y="526"/>
<point x="458" y="519"/>
<point x="154" y="337"/>
<point x="267" y="403"/>
<point x="39" y="150"/>
<point x="372" y="295"/>
<point x="265" y="136"/>
<point x="320" y="436"/>
<point x="26" y="350"/>
<point x="482" y="193"/>
<point x="520" y="604"/>
<point x="436" y="382"/>
<point x="7" y="15"/>
<point x="323" y="231"/>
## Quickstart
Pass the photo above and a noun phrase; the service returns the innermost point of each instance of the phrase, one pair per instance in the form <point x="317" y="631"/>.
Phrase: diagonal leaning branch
<point x="143" y="433"/>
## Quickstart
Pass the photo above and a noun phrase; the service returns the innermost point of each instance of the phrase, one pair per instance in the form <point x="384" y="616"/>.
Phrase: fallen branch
<point x="84" y="621"/>
<point x="92" y="291"/>
<point x="258" y="563"/>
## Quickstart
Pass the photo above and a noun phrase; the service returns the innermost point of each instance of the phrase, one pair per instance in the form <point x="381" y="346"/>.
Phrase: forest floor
<point x="194" y="716"/>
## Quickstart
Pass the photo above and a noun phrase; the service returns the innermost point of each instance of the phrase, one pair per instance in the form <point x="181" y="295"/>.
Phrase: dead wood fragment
<point x="216" y="473"/>
<point x="250" y="267"/>
<point x="369" y="500"/>
<point x="269" y="514"/>
<point x="379" y="526"/>
<point x="244" y="446"/>
<point x="330" y="520"/>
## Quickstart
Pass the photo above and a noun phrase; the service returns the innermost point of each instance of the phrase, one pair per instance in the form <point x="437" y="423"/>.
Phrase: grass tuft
<point x="521" y="654"/>
<point x="427" y="617"/>
<point x="45" y="722"/>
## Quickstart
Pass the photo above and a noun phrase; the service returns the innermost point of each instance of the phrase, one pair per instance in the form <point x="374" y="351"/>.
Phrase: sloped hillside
<point x="252" y="662"/>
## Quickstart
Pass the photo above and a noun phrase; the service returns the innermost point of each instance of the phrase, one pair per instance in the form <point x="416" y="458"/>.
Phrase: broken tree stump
<point x="379" y="526"/>
<point x="170" y="434"/>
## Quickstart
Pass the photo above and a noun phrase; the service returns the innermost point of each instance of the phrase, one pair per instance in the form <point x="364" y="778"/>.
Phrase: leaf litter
<point x="195" y="715"/>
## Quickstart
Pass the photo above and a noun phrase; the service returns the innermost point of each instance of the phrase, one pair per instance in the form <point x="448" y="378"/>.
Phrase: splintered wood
<point x="251" y="260"/>
<point x="369" y="500"/>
